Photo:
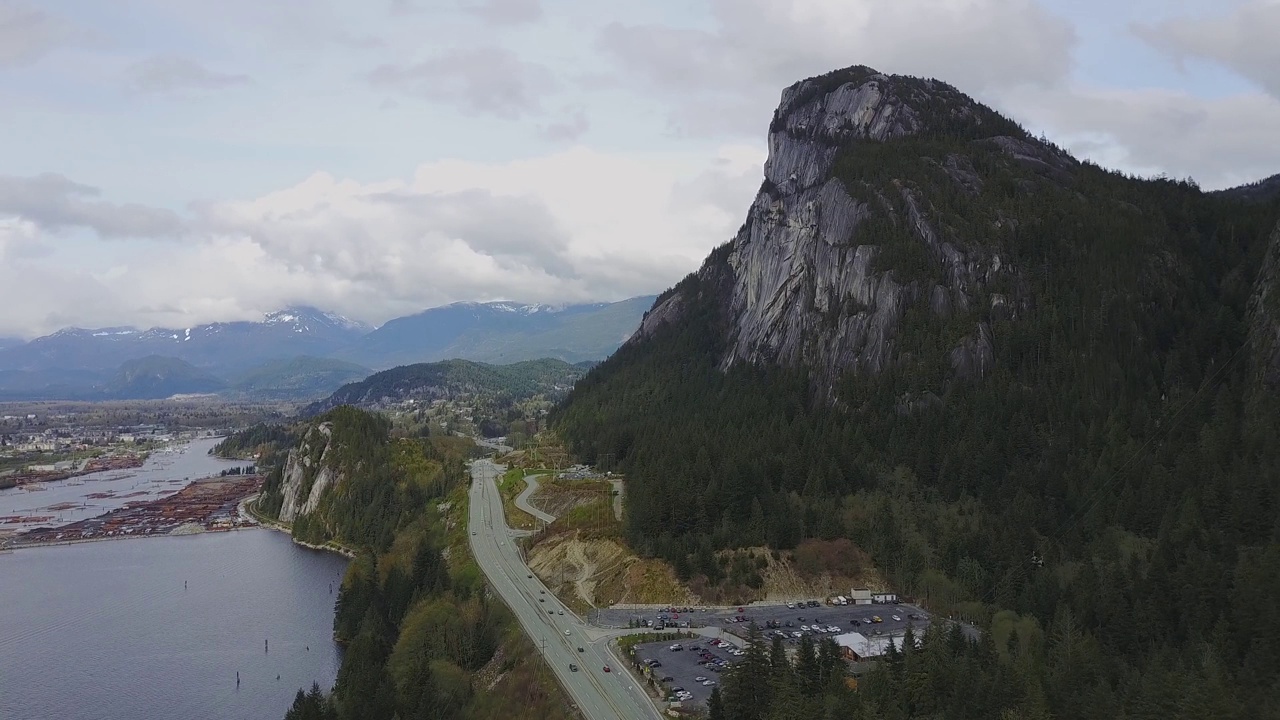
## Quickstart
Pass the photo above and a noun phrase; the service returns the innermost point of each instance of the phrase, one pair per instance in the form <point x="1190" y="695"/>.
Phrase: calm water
<point x="163" y="473"/>
<point x="105" y="630"/>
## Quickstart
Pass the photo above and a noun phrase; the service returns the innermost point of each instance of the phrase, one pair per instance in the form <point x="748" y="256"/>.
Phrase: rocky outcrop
<point x="307" y="474"/>
<point x="1264" y="317"/>
<point x="799" y="289"/>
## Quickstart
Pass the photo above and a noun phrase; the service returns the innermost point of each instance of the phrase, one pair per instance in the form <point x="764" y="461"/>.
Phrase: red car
<point x="606" y="669"/>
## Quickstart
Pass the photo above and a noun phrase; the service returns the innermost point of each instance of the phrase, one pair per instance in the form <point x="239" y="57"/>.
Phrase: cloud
<point x="165" y="74"/>
<point x="483" y="80"/>
<point x="576" y="225"/>
<point x="729" y="77"/>
<point x="570" y="128"/>
<point x="54" y="202"/>
<point x="26" y="33"/>
<point x="1246" y="40"/>
<point x="505" y="12"/>
<point x="1220" y="142"/>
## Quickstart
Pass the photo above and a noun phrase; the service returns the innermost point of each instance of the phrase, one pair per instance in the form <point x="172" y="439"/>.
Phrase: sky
<point x="174" y="162"/>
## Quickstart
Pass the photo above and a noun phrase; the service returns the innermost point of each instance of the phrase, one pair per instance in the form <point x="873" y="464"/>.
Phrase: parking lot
<point x="849" y="618"/>
<point x="684" y="668"/>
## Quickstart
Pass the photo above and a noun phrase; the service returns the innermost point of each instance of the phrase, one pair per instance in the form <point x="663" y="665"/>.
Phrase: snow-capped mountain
<point x="72" y="361"/>
<point x="216" y="347"/>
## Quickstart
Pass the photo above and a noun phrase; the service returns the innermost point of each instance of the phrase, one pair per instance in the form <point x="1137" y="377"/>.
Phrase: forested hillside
<point x="1023" y="383"/>
<point x="425" y="382"/>
<point x="413" y="612"/>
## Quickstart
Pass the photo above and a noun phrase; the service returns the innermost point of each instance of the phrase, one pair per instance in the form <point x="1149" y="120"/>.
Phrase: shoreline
<point x="247" y="509"/>
<point x="113" y="538"/>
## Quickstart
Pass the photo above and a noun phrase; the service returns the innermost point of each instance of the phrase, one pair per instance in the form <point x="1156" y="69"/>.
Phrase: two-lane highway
<point x="599" y="695"/>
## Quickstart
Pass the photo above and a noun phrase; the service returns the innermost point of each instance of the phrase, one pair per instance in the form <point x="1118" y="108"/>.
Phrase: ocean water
<point x="157" y="628"/>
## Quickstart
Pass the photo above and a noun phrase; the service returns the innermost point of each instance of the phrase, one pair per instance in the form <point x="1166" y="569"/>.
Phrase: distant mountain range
<point x="501" y="333"/>
<point x="302" y="352"/>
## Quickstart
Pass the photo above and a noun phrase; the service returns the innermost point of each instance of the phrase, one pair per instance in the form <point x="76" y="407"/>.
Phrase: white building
<point x="860" y="596"/>
<point x="857" y="646"/>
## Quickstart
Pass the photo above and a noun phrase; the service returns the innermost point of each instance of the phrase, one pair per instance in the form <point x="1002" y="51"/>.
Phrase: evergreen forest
<point x="1103" y="502"/>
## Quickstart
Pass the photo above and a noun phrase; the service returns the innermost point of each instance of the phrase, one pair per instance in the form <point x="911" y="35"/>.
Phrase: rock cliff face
<point x="1264" y="317"/>
<point x="307" y="474"/>
<point x="799" y="286"/>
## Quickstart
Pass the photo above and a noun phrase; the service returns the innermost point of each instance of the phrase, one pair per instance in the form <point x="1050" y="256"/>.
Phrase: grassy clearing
<point x="511" y="484"/>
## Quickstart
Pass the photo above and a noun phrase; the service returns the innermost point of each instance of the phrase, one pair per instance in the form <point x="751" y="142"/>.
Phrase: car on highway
<point x="473" y="532"/>
<point x="566" y="632"/>
<point x="573" y="667"/>
<point x="542" y="592"/>
<point x="542" y="599"/>
<point x="581" y="650"/>
<point x="606" y="669"/>
<point x="530" y="576"/>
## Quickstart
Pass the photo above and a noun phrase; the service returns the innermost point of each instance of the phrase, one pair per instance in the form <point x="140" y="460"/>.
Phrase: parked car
<point x="700" y="678"/>
<point x="897" y="619"/>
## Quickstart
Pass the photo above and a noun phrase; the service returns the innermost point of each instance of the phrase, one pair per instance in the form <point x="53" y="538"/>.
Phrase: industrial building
<point x="856" y="646"/>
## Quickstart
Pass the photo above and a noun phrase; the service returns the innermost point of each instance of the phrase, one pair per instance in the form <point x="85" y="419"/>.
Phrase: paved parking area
<point x="849" y="618"/>
<point x="682" y="666"/>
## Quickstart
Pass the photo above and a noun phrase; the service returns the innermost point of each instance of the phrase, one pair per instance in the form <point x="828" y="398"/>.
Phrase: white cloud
<point x="570" y="128"/>
<point x="27" y="33"/>
<point x="170" y="74"/>
<point x="577" y="225"/>
<point x="729" y="77"/>
<point x="505" y="12"/>
<point x="483" y="80"/>
<point x="1220" y="142"/>
<point x="1246" y="40"/>
<point x="55" y="203"/>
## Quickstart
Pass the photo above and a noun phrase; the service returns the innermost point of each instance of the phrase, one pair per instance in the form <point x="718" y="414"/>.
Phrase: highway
<point x="599" y="695"/>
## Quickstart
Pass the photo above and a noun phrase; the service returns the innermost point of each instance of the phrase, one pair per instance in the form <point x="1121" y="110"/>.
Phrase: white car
<point x="700" y="678"/>
<point x="566" y="632"/>
<point x="834" y="628"/>
<point x="897" y="619"/>
<point x="804" y="628"/>
<point x="708" y="683"/>
<point x="796" y="633"/>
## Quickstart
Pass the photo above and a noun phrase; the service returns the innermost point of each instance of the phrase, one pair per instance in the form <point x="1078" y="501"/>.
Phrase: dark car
<point x="606" y="669"/>
<point x="573" y="667"/>
<point x="667" y="678"/>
